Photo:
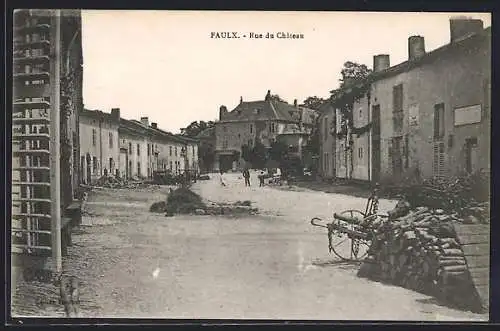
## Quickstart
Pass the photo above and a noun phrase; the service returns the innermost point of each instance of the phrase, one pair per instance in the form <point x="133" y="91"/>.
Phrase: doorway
<point x="375" y="143"/>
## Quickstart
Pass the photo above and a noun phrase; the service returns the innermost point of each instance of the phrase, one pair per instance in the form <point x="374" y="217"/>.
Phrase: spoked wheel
<point x="347" y="247"/>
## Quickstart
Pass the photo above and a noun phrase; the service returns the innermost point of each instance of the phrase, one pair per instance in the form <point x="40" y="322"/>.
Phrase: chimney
<point x="222" y="112"/>
<point x="154" y="125"/>
<point x="145" y="121"/>
<point x="241" y="100"/>
<point x="295" y="102"/>
<point x="461" y="27"/>
<point x="268" y="95"/>
<point x="115" y="113"/>
<point x="381" y="62"/>
<point x="416" y="47"/>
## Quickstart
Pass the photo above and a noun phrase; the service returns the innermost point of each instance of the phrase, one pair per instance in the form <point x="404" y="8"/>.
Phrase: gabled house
<point x="257" y="121"/>
<point x="427" y="117"/>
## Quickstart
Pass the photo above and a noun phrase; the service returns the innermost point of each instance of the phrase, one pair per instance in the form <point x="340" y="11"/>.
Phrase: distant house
<point x="257" y="121"/>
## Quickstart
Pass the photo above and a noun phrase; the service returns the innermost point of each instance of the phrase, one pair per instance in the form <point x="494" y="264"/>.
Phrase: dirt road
<point x="271" y="266"/>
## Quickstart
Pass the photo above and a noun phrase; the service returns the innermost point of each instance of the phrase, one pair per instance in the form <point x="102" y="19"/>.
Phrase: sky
<point x="164" y="64"/>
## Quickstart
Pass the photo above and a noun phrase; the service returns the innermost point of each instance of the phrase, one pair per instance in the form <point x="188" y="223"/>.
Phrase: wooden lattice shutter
<point x="438" y="168"/>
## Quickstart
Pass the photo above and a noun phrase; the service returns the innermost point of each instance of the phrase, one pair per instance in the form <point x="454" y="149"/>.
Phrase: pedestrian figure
<point x="261" y="178"/>
<point x="246" y="175"/>
<point x="222" y="178"/>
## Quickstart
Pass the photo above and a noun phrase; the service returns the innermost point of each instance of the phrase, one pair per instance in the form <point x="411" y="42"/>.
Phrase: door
<point x="375" y="143"/>
<point x="89" y="169"/>
<point x="397" y="161"/>
<point x="470" y="154"/>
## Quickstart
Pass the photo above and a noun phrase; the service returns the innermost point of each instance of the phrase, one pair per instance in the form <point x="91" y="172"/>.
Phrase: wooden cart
<point x="351" y="231"/>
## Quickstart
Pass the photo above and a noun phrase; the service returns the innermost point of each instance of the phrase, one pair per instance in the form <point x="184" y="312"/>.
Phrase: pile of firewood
<point x="419" y="250"/>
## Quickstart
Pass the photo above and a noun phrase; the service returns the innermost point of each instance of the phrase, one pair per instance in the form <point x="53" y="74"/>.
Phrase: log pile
<point x="419" y="250"/>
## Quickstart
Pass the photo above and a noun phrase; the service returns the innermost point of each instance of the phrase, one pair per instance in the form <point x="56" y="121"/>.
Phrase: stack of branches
<point x="466" y="196"/>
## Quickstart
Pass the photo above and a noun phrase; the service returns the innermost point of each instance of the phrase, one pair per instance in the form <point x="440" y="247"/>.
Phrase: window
<point x="397" y="107"/>
<point x="138" y="149"/>
<point x="111" y="140"/>
<point x="251" y="128"/>
<point x="397" y="98"/>
<point x="225" y="128"/>
<point x="94" y="164"/>
<point x="130" y="148"/>
<point x="171" y="168"/>
<point x="360" y="113"/>
<point x="148" y="151"/>
<point x="138" y="168"/>
<point x="439" y="121"/>
<point x="360" y="152"/>
<point x="94" y="137"/>
<point x="250" y="142"/>
<point x="170" y="149"/>
<point x="111" y="163"/>
<point x="175" y="150"/>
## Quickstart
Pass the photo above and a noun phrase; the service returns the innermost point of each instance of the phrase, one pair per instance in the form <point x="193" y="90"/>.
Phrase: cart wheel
<point x="347" y="248"/>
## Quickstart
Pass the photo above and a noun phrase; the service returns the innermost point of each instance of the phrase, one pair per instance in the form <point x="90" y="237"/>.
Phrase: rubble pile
<point x="184" y="201"/>
<point x="418" y="249"/>
<point x="117" y="182"/>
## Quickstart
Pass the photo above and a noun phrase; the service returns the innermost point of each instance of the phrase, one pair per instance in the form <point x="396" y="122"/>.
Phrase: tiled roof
<point x="97" y="114"/>
<point x="428" y="56"/>
<point x="267" y="110"/>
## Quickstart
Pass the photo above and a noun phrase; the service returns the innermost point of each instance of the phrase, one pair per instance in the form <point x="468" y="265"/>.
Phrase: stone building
<point x="256" y="121"/>
<point x="426" y="117"/>
<point x="99" y="144"/>
<point x="432" y="112"/>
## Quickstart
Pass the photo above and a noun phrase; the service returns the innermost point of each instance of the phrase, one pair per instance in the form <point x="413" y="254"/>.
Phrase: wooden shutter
<point x="439" y="160"/>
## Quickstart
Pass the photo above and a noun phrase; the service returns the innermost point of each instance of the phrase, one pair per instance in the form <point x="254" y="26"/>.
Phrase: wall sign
<point x="467" y="115"/>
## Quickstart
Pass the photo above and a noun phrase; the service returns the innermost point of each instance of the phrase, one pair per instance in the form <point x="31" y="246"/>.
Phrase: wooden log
<point x="452" y="263"/>
<point x="452" y="252"/>
<point x="454" y="268"/>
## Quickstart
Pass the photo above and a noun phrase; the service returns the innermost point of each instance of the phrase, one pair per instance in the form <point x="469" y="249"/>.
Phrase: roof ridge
<point x="274" y="109"/>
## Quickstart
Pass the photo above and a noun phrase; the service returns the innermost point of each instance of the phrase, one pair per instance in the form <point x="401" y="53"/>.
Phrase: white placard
<point x="413" y="115"/>
<point x="467" y="115"/>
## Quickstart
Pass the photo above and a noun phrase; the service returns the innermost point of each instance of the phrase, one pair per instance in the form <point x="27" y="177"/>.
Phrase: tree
<point x="206" y="154"/>
<point x="278" y="151"/>
<point x="313" y="102"/>
<point x="246" y="153"/>
<point x="354" y="84"/>
<point x="195" y="128"/>
<point x="276" y="97"/>
<point x="259" y="155"/>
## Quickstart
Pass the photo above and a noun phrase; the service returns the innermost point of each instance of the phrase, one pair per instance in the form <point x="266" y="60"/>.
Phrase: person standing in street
<point x="261" y="178"/>
<point x="246" y="175"/>
<point x="222" y="178"/>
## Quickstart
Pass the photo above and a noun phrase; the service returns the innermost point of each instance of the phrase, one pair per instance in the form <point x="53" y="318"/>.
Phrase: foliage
<point x="313" y="102"/>
<point x="206" y="154"/>
<point x="278" y="151"/>
<point x="354" y="84"/>
<point x="276" y="97"/>
<point x="259" y="155"/>
<point x="195" y="128"/>
<point x="313" y="141"/>
<point x="246" y="153"/>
